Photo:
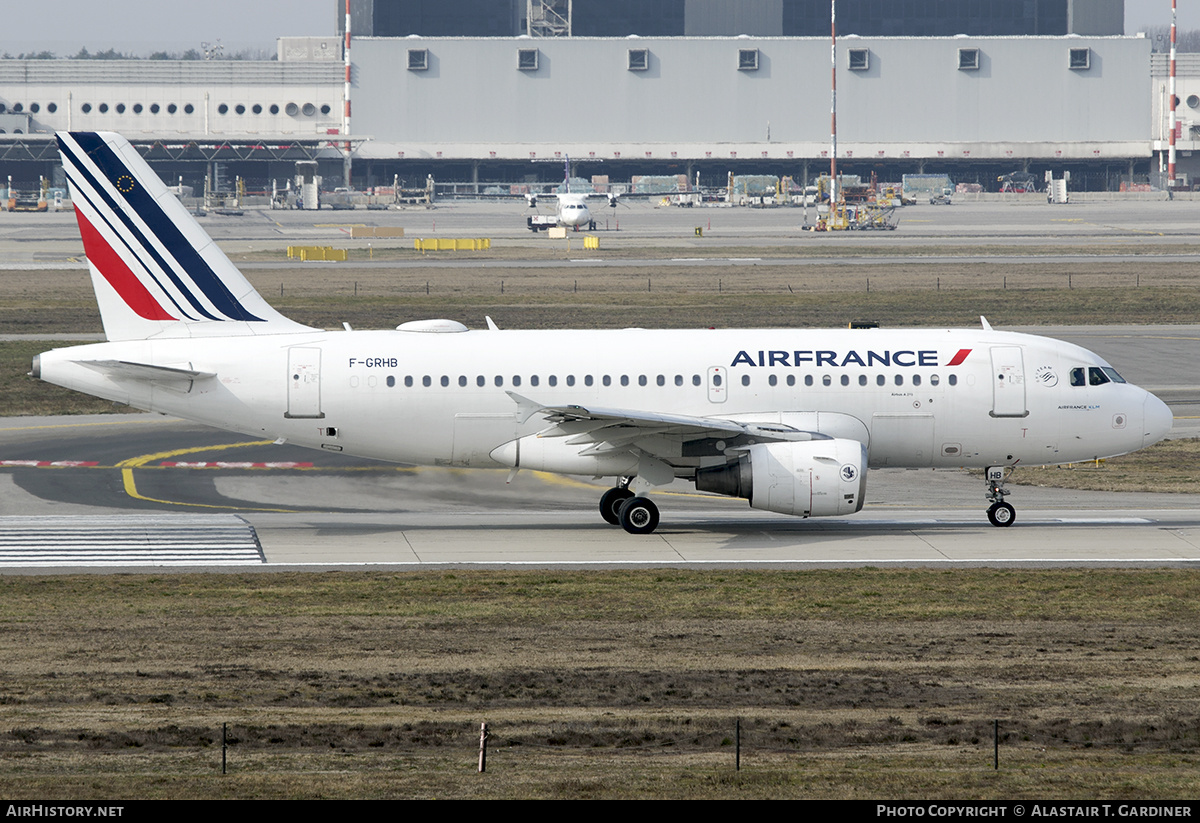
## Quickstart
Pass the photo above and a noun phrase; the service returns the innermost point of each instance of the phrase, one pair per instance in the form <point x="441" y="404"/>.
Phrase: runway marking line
<point x="127" y="467"/>
<point x="52" y="464"/>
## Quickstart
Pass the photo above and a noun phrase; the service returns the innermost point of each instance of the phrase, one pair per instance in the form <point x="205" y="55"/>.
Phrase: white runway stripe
<point x="128" y="540"/>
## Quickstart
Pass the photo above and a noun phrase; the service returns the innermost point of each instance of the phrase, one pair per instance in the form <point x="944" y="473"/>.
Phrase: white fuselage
<point x="573" y="211"/>
<point x="919" y="398"/>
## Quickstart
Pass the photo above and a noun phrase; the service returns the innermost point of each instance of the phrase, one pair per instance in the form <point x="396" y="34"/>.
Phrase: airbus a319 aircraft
<point x="788" y="419"/>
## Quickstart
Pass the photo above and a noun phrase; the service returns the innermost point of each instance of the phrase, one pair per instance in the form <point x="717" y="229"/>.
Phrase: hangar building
<point x="705" y="86"/>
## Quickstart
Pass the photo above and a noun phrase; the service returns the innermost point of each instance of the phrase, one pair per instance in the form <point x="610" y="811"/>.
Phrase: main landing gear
<point x="621" y="507"/>
<point x="999" y="513"/>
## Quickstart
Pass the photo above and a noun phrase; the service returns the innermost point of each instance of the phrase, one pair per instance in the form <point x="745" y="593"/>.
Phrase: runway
<point x="961" y="234"/>
<point x="312" y="509"/>
<point x="318" y="510"/>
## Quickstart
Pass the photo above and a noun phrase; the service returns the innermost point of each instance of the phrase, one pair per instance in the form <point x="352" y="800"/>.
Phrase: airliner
<point x="571" y="210"/>
<point x="788" y="419"/>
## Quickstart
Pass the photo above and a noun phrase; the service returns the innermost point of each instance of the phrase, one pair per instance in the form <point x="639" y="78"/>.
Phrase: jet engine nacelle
<point x="813" y="478"/>
<point x="555" y="454"/>
<point x="531" y="199"/>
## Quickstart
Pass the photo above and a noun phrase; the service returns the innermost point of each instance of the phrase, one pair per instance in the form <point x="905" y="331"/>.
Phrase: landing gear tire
<point x="611" y="502"/>
<point x="639" y="515"/>
<point x="1002" y="514"/>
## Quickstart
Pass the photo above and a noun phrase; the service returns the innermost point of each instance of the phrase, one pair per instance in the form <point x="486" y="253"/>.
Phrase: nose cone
<point x="1157" y="420"/>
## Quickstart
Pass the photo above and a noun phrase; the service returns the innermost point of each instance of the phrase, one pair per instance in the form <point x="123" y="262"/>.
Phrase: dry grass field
<point x="852" y="684"/>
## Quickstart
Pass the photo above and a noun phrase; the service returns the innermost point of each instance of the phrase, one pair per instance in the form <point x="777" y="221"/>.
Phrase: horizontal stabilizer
<point x="145" y="372"/>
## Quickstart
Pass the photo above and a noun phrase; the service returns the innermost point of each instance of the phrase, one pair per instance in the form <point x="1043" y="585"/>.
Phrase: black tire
<point x="1002" y="514"/>
<point x="610" y="505"/>
<point x="639" y="515"/>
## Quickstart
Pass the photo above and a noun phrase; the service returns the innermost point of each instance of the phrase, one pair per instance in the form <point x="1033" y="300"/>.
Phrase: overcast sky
<point x="143" y="26"/>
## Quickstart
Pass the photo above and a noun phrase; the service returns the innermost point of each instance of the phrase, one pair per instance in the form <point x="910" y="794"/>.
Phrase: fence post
<point x="483" y="736"/>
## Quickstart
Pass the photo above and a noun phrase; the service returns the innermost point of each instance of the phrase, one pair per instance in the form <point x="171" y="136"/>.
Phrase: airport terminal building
<point x="473" y="91"/>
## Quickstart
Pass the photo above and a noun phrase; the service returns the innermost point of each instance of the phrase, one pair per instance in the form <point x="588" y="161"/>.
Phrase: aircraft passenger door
<point x="304" y="383"/>
<point x="1008" y="382"/>
<point x="717" y="384"/>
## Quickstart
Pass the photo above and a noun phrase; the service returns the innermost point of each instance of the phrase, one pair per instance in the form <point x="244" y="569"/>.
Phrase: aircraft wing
<point x="669" y="438"/>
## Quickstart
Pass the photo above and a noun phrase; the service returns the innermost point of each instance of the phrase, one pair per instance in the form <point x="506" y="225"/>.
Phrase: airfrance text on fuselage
<point x="819" y="357"/>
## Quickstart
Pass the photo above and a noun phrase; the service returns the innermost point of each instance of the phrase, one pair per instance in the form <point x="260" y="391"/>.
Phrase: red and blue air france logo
<point x="139" y="250"/>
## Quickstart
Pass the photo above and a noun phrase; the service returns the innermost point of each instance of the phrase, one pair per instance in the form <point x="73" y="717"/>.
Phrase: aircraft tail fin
<point x="155" y="271"/>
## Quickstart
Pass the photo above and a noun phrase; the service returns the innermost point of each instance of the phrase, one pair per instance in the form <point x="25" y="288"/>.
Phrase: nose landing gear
<point x="999" y="513"/>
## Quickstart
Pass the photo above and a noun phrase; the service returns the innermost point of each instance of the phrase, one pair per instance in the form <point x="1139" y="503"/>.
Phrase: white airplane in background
<point x="788" y="419"/>
<point x="571" y="209"/>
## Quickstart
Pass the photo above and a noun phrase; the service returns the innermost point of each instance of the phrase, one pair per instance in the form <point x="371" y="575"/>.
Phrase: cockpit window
<point x="1077" y="377"/>
<point x="1112" y="374"/>
<point x="1097" y="377"/>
